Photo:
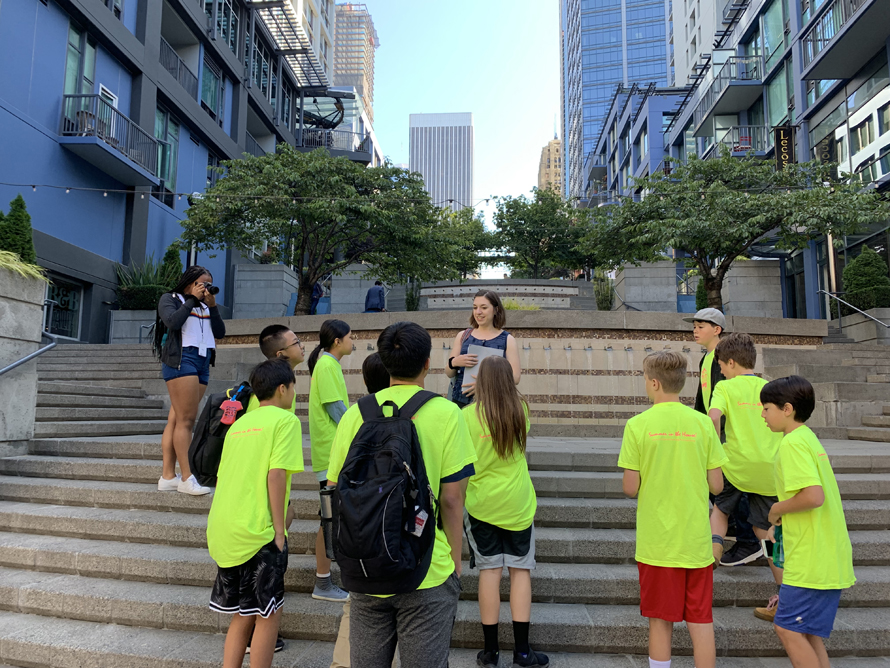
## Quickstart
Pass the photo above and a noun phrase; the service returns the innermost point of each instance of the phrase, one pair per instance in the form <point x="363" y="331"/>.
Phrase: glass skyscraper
<point x="606" y="43"/>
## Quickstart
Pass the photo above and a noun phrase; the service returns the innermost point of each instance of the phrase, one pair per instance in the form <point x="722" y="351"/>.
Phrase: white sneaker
<point x="171" y="485"/>
<point x="191" y="486"/>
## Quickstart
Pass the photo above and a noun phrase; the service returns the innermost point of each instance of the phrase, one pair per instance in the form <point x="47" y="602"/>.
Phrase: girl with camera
<point x="186" y="328"/>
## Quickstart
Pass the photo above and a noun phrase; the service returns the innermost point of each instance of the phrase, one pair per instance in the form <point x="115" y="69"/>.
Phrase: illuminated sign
<point x="783" y="137"/>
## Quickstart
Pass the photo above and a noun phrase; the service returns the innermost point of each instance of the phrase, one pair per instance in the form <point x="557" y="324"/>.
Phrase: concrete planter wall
<point x="126" y="326"/>
<point x="544" y="294"/>
<point x="263" y="290"/>
<point x="21" y="321"/>
<point x="862" y="330"/>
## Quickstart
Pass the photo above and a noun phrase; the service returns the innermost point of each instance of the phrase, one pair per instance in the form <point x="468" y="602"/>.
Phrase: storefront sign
<point x="783" y="137"/>
<point x="826" y="151"/>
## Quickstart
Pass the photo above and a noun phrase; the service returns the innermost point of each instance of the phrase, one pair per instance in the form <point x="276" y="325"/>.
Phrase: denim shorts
<point x="810" y="611"/>
<point x="192" y="364"/>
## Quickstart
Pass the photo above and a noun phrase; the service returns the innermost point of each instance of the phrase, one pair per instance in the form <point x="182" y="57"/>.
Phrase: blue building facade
<point x="112" y="113"/>
<point x="606" y="44"/>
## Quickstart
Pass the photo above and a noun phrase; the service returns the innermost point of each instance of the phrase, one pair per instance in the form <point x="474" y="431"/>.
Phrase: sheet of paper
<point x="481" y="352"/>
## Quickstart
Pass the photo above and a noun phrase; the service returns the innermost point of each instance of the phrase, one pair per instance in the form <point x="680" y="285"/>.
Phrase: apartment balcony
<point x="177" y="68"/>
<point x="339" y="143"/>
<point x="595" y="167"/>
<point x="738" y="84"/>
<point x="97" y="132"/>
<point x="740" y="140"/>
<point x="843" y="37"/>
<point x="253" y="147"/>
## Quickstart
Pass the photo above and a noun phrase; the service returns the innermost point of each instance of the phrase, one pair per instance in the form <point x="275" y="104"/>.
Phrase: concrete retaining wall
<point x="862" y="330"/>
<point x="126" y="326"/>
<point x="21" y="323"/>
<point x="649" y="287"/>
<point x="263" y="290"/>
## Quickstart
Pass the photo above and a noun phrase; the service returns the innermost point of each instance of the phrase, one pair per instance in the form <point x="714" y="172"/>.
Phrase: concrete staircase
<point x="99" y="568"/>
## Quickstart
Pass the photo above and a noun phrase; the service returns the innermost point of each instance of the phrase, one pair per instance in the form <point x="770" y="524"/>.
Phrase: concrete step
<point x="95" y="428"/>
<point x="574" y="627"/>
<point x="819" y="373"/>
<point x="103" y="348"/>
<point x="87" y="401"/>
<point x="69" y="388"/>
<point x="559" y="545"/>
<point x="79" y="414"/>
<point x="111" y="383"/>
<point x="876" y="421"/>
<point x="94" y="468"/>
<point x="875" y="434"/>
<point x="865" y="515"/>
<point x="878" y="378"/>
<point x="552" y="582"/>
<point x="885" y="409"/>
<point x="142" y="373"/>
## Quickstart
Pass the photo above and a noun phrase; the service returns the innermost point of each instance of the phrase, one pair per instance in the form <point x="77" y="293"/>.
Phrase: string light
<point x="105" y="194"/>
<point x="34" y="188"/>
<point x="67" y="190"/>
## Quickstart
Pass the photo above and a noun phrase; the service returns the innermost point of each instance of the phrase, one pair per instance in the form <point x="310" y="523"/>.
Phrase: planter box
<point x="21" y="322"/>
<point x="126" y="326"/>
<point x="262" y="290"/>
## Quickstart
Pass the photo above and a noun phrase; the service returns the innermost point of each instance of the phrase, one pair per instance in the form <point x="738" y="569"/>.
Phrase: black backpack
<point x="206" y="447"/>
<point x="379" y="543"/>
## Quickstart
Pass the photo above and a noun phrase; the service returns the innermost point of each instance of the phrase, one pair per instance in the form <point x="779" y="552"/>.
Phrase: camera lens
<point x="211" y="288"/>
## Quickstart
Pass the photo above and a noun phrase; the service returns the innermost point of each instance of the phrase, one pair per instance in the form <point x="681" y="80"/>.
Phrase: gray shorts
<point x="494" y="547"/>
<point x="758" y="505"/>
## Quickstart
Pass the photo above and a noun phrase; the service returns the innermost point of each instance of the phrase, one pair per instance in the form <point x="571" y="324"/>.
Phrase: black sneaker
<point x="533" y="658"/>
<point x="487" y="659"/>
<point x="279" y="644"/>
<point x="741" y="554"/>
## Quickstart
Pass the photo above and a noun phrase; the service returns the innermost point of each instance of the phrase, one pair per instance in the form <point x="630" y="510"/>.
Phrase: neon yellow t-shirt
<point x="673" y="447"/>
<point x="327" y="385"/>
<point x="818" y="553"/>
<point x="705" y="379"/>
<point x="240" y="521"/>
<point x="501" y="491"/>
<point x="750" y="444"/>
<point x="446" y="447"/>
<point x="254" y="403"/>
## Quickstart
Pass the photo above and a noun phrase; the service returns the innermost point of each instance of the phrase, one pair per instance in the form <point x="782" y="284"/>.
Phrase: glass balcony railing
<point x="740" y="139"/>
<point x="736" y="68"/>
<point x="824" y="30"/>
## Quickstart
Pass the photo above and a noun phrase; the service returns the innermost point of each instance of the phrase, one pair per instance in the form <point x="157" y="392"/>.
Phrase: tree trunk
<point x="714" y="286"/>
<point x="304" y="297"/>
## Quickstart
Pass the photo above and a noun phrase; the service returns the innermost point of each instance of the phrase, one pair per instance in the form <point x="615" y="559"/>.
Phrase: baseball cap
<point x="710" y="315"/>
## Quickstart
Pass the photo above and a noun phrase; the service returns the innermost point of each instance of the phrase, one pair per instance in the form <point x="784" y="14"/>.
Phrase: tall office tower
<point x="606" y="43"/>
<point x="440" y="147"/>
<point x="550" y="168"/>
<point x="355" y="42"/>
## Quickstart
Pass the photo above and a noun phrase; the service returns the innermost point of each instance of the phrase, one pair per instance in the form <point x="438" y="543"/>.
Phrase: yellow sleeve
<point x="348" y="427"/>
<point x="287" y="448"/>
<point x="459" y="450"/>
<point x="629" y="456"/>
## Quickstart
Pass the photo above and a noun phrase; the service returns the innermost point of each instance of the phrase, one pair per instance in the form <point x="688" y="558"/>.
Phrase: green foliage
<point x="171" y="263"/>
<point x="716" y="210"/>
<point x="12" y="262"/>
<point x="514" y="305"/>
<point x="701" y="296"/>
<point x="602" y="290"/>
<point x="140" y="286"/>
<point x="321" y="214"/>
<point x="469" y="234"/>
<point x="866" y="283"/>
<point x="16" y="234"/>
<point x="412" y="296"/>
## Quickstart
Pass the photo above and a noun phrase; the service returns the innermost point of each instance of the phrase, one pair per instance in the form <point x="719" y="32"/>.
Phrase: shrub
<point x="140" y="297"/>
<point x="13" y="263"/>
<point x="701" y="295"/>
<point x="16" y="234"/>
<point x="172" y="263"/>
<point x="513" y="305"/>
<point x="140" y="286"/>
<point x="602" y="290"/>
<point x="866" y="283"/>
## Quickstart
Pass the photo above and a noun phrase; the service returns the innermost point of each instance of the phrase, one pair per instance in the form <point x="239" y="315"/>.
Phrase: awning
<point x="291" y="41"/>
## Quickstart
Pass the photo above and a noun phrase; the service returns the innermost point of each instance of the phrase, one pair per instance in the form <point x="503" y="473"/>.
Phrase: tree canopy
<point x="714" y="211"/>
<point x="467" y="230"/>
<point x="320" y="214"/>
<point x="16" y="235"/>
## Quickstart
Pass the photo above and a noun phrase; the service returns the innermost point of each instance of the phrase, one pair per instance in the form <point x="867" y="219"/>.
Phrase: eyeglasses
<point x="295" y="343"/>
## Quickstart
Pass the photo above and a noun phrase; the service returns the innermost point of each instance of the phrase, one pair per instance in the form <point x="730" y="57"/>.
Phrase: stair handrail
<point x="626" y="306"/>
<point x="840" y="317"/>
<point x="53" y="338"/>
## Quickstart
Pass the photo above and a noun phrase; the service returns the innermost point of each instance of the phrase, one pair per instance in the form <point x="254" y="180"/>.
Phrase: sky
<point x="498" y="59"/>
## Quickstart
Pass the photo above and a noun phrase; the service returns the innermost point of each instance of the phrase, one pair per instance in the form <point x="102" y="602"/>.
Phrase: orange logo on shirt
<point x="749" y="404"/>
<point x="676" y="434"/>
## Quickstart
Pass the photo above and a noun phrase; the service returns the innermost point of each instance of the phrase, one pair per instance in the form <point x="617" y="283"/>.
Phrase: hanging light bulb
<point x="34" y="188"/>
<point x="105" y="194"/>
<point x="67" y="190"/>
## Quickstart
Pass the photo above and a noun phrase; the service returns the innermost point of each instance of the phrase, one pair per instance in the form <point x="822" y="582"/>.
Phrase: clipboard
<point x="481" y="352"/>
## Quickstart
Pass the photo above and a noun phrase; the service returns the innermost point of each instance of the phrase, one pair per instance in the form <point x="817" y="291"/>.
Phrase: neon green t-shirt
<point x="240" y="521"/>
<point x="818" y="553"/>
<point x="705" y="379"/>
<point x="501" y="491"/>
<point x="446" y="447"/>
<point x="327" y="385"/>
<point x="673" y="447"/>
<point x="254" y="403"/>
<point x="750" y="444"/>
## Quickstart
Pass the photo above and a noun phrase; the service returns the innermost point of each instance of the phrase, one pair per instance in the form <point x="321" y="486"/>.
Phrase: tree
<point x="321" y="214"/>
<point x="866" y="283"/>
<point x="537" y="235"/>
<point x="715" y="211"/>
<point x="172" y="264"/>
<point x="16" y="234"/>
<point x="468" y="232"/>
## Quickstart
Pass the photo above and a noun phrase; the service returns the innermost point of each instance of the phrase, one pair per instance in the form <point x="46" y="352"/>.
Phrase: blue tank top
<point x="499" y="342"/>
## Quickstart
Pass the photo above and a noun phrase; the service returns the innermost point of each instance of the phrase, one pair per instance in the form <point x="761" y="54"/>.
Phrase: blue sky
<point x="498" y="59"/>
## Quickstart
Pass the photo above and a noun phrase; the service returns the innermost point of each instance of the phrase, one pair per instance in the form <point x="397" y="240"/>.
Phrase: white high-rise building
<point x="441" y="149"/>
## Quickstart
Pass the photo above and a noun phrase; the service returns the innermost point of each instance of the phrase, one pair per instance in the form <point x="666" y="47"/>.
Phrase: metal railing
<point x="252" y="147"/>
<point x="48" y="305"/>
<point x="824" y="30"/>
<point x="840" y="316"/>
<point x="740" y="139"/>
<point x="736" y="68"/>
<point x="93" y="116"/>
<point x="627" y="307"/>
<point x="171" y="62"/>
<point x="337" y="140"/>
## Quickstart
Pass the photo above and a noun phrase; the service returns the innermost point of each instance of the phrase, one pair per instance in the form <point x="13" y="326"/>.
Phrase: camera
<point x="211" y="288"/>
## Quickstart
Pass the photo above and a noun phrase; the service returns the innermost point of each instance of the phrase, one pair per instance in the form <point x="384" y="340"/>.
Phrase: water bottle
<point x="779" y="549"/>
<point x="327" y="520"/>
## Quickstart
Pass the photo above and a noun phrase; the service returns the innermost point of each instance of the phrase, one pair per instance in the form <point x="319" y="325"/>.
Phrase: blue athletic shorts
<point x="192" y="365"/>
<point x="810" y="611"/>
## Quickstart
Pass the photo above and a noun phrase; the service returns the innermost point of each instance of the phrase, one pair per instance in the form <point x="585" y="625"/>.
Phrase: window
<point x="212" y="90"/>
<point x="228" y="18"/>
<point x="773" y="33"/>
<point x="108" y="96"/>
<point x="80" y="64"/>
<point x="884" y="119"/>
<point x="777" y="98"/>
<point x="167" y="134"/>
<point x="261" y="69"/>
<point x="871" y="87"/>
<point x="212" y="169"/>
<point x="68" y="298"/>
<point x="862" y="135"/>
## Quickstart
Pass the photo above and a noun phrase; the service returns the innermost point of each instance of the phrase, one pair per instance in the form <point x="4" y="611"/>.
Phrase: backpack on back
<point x="205" y="450"/>
<point x="384" y="509"/>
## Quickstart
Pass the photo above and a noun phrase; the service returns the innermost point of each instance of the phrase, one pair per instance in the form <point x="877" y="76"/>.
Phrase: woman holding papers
<point x="484" y="337"/>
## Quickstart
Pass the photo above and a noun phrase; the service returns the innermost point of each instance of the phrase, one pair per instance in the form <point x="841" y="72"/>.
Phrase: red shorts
<point x="677" y="594"/>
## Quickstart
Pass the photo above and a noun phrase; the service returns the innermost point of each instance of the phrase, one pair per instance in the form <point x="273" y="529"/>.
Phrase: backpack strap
<point x="415" y="403"/>
<point x="369" y="407"/>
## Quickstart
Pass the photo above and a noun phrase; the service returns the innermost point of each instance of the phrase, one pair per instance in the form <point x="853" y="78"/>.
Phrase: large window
<point x="68" y="298"/>
<point x="261" y="68"/>
<point x="862" y="135"/>
<point x="167" y="132"/>
<point x="80" y="64"/>
<point x="884" y="119"/>
<point x="212" y="90"/>
<point x="228" y="19"/>
<point x="777" y="98"/>
<point x="773" y="33"/>
<point x="212" y="169"/>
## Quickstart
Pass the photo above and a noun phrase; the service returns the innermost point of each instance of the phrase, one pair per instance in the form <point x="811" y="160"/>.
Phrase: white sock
<point x="319" y="575"/>
<point x="659" y="664"/>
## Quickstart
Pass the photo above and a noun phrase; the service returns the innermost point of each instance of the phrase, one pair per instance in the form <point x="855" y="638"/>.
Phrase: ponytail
<point x="330" y="331"/>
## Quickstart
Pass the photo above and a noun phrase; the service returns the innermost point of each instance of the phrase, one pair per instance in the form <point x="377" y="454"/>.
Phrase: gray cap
<point x="710" y="315"/>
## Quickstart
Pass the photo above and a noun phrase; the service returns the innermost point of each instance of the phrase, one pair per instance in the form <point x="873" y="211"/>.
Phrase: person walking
<point x="187" y="325"/>
<point x="375" y="300"/>
<point x="486" y="329"/>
